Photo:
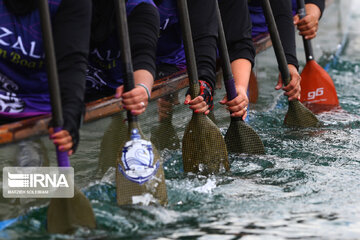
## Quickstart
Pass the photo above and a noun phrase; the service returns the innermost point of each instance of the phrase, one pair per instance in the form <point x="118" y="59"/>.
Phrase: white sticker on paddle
<point x="138" y="159"/>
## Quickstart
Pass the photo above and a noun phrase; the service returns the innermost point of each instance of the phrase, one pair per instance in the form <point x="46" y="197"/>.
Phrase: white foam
<point x="144" y="199"/>
<point x="208" y="187"/>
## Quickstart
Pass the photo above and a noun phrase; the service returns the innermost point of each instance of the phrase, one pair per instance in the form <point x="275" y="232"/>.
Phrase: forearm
<point x="241" y="69"/>
<point x="284" y="22"/>
<point x="144" y="25"/>
<point x="71" y="30"/>
<point x="144" y="77"/>
<point x="72" y="86"/>
<point x="205" y="51"/>
<point x="204" y="30"/>
<point x="320" y="4"/>
<point x="237" y="27"/>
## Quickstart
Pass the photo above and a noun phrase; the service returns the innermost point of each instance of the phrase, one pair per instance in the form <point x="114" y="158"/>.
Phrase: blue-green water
<point x="305" y="187"/>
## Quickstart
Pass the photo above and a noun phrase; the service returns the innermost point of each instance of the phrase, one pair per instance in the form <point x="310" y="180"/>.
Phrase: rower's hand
<point x="293" y="89"/>
<point x="62" y="140"/>
<point x="237" y="106"/>
<point x="202" y="103"/>
<point x="135" y="100"/>
<point x="309" y="25"/>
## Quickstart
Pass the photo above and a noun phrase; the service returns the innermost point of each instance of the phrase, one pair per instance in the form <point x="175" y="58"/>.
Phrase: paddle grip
<point x="62" y="157"/>
<point x="230" y="89"/>
<point x="124" y="42"/>
<point x="189" y="48"/>
<point x="275" y="39"/>
<point x="307" y="43"/>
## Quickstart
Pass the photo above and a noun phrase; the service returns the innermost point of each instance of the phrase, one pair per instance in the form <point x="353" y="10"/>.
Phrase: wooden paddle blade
<point x="212" y="117"/>
<point x="318" y="92"/>
<point x="66" y="214"/>
<point x="241" y="138"/>
<point x="204" y="149"/>
<point x="114" y="137"/>
<point x="300" y="116"/>
<point x="128" y="191"/>
<point x="253" y="88"/>
<point x="164" y="136"/>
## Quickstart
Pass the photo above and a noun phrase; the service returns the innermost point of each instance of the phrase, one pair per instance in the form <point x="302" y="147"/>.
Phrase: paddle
<point x="113" y="138"/>
<point x="64" y="214"/>
<point x="203" y="146"/>
<point x="298" y="115"/>
<point x="164" y="135"/>
<point x="240" y="137"/>
<point x="139" y="168"/>
<point x="318" y="92"/>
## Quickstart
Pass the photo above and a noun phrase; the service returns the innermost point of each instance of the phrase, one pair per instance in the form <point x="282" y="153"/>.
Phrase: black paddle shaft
<point x="124" y="42"/>
<point x="189" y="48"/>
<point x="275" y="39"/>
<point x="226" y="66"/>
<point x="51" y="68"/>
<point x="227" y="73"/>
<point x="307" y="43"/>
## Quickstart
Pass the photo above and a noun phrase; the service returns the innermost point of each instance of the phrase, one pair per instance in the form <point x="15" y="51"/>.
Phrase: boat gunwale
<point x="107" y="106"/>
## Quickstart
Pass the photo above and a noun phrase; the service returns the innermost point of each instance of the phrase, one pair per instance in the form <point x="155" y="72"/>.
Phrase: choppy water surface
<point x="305" y="187"/>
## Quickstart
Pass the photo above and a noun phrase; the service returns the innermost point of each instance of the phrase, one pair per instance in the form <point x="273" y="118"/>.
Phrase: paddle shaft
<point x="229" y="81"/>
<point x="124" y="42"/>
<point x="53" y="79"/>
<point x="189" y="48"/>
<point x="226" y="67"/>
<point x="307" y="43"/>
<point x="275" y="39"/>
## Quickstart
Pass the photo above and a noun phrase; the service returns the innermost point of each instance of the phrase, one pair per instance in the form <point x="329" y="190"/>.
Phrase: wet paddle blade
<point x="114" y="137"/>
<point x="300" y="116"/>
<point x="318" y="92"/>
<point x="151" y="191"/>
<point x="241" y="138"/>
<point x="66" y="214"/>
<point x="204" y="148"/>
<point x="211" y="116"/>
<point x="164" y="136"/>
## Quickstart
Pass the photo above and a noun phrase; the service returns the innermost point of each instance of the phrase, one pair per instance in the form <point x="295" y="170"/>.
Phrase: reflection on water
<point x="305" y="187"/>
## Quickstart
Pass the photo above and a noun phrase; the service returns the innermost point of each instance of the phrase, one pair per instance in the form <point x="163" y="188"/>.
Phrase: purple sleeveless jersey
<point x="104" y="70"/>
<point x="23" y="79"/>
<point x="258" y="19"/>
<point x="170" y="45"/>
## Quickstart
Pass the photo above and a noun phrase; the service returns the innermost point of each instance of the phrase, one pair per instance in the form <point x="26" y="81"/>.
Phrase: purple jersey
<point x="258" y="19"/>
<point x="104" y="71"/>
<point x="170" y="45"/>
<point x="23" y="78"/>
<point x="294" y="7"/>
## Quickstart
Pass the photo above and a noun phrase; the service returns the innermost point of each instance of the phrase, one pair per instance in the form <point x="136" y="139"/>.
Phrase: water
<point x="305" y="187"/>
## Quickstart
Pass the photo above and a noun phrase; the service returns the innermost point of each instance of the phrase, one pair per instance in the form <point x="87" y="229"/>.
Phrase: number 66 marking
<point x="318" y="92"/>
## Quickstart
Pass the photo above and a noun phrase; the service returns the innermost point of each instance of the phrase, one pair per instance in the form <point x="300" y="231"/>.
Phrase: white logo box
<point x="38" y="182"/>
